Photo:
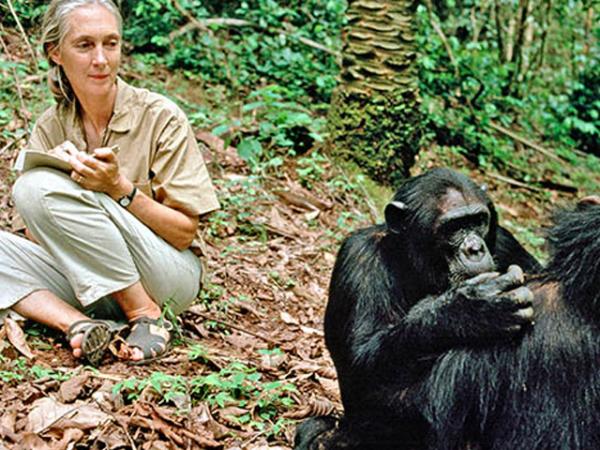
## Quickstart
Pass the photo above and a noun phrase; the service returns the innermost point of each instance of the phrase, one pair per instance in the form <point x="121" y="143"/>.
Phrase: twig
<point x="499" y="37"/>
<point x="482" y="12"/>
<point x="235" y="327"/>
<point x="283" y="233"/>
<point x="524" y="141"/>
<point x="116" y="419"/>
<point x="93" y="373"/>
<point x="558" y="186"/>
<point x="514" y="182"/>
<point x="516" y="69"/>
<point x="67" y="413"/>
<point x="438" y="29"/>
<point x="22" y="31"/>
<point x="204" y="24"/>
<point x="8" y="145"/>
<point x="23" y="112"/>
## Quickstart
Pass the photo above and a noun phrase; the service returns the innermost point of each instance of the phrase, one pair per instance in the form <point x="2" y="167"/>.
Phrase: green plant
<point x="311" y="169"/>
<point x="240" y="385"/>
<point x="467" y="83"/>
<point x="268" y="123"/>
<point x="167" y="387"/>
<point x="198" y="353"/>
<point x="12" y="370"/>
<point x="267" y="44"/>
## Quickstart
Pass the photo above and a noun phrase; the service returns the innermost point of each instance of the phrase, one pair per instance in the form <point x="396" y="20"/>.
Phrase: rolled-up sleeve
<point x="179" y="176"/>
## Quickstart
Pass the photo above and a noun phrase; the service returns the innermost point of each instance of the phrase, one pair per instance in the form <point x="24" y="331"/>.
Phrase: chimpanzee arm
<point x="480" y="310"/>
<point x="368" y="316"/>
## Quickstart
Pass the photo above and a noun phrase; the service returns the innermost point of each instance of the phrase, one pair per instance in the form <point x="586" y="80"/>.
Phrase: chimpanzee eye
<point x="478" y="222"/>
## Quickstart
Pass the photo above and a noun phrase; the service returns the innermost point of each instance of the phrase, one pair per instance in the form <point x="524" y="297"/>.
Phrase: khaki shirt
<point x="157" y="148"/>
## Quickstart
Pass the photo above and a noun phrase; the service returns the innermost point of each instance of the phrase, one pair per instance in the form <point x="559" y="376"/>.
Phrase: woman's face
<point x="91" y="51"/>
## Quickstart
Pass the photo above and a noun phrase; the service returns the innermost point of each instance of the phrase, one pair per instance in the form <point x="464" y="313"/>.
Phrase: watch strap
<point x="126" y="200"/>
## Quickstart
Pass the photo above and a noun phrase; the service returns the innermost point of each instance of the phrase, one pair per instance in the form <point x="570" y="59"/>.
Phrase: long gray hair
<point x="54" y="29"/>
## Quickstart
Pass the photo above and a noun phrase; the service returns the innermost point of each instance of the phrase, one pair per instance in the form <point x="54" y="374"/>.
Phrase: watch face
<point x="124" y="202"/>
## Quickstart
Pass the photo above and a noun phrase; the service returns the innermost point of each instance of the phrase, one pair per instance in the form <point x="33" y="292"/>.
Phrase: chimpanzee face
<point x="459" y="233"/>
<point x="444" y="225"/>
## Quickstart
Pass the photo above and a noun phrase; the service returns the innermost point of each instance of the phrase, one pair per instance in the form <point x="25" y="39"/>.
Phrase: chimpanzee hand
<point x="491" y="305"/>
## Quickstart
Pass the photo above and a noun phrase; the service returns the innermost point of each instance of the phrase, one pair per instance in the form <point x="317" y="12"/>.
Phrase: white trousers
<point x="89" y="247"/>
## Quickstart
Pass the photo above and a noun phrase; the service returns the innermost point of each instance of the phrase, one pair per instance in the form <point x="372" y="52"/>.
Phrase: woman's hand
<point x="100" y="172"/>
<point x="30" y="236"/>
<point x="65" y="151"/>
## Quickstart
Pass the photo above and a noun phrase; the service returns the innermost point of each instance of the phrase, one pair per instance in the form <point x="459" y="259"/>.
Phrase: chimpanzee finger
<point x="590" y="200"/>
<point x="513" y="278"/>
<point x="521" y="319"/>
<point x="522" y="296"/>
<point x="481" y="278"/>
<point x="525" y="313"/>
<point x="514" y="329"/>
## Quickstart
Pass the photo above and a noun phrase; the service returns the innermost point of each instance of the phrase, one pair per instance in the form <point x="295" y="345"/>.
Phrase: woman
<point x="119" y="236"/>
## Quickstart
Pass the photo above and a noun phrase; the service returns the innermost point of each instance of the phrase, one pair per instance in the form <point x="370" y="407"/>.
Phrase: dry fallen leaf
<point x="17" y="337"/>
<point x="272" y="361"/>
<point x="70" y="436"/>
<point x="288" y="318"/>
<point x="330" y="387"/>
<point x="49" y="413"/>
<point x="31" y="441"/>
<point x="203" y="421"/>
<point x="310" y="330"/>
<point x="7" y="424"/>
<point x="70" y="389"/>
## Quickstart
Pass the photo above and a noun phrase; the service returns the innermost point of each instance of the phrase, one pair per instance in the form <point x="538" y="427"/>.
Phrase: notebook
<point x="29" y="159"/>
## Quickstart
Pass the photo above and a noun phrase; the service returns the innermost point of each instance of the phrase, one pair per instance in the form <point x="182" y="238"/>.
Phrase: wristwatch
<point x="126" y="200"/>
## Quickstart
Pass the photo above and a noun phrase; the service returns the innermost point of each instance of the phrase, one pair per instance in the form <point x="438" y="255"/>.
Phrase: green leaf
<point x="250" y="151"/>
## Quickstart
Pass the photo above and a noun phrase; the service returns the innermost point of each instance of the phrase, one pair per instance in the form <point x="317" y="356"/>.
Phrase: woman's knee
<point x="33" y="187"/>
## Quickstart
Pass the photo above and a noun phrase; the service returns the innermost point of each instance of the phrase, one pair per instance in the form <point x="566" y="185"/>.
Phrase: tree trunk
<point x="374" y="117"/>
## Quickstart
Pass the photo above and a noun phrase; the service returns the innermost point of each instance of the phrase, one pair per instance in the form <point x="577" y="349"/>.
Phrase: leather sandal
<point x="151" y="336"/>
<point x="97" y="335"/>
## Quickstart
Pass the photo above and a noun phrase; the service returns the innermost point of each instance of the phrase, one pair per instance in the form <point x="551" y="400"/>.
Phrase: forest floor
<point x="249" y="359"/>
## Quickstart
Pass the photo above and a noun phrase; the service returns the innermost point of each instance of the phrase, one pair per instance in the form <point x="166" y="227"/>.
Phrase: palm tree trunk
<point x="374" y="117"/>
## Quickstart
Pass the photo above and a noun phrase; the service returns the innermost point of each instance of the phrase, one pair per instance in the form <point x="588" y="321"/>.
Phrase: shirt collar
<point x="69" y="113"/>
<point x="120" y="121"/>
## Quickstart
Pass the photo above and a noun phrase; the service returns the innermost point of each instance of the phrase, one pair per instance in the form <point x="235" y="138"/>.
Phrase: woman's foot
<point x="149" y="339"/>
<point x="75" y="343"/>
<point x="90" y="338"/>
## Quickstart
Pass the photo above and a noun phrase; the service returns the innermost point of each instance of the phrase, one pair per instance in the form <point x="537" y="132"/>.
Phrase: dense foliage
<point x="256" y="42"/>
<point x="481" y="63"/>
<point x="474" y="70"/>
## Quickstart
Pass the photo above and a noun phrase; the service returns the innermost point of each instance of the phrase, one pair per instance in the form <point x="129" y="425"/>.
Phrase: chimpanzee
<point x="404" y="292"/>
<point x="541" y="392"/>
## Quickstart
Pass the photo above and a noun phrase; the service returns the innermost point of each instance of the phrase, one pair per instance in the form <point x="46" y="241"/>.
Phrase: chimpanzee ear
<point x="395" y="212"/>
<point x="590" y="200"/>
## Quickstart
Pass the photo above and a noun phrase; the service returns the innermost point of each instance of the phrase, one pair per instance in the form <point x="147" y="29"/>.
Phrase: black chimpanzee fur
<point x="542" y="392"/>
<point x="403" y="293"/>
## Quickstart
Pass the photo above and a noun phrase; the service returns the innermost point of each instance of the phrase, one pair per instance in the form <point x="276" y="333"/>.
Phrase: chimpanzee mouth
<point x="461" y="269"/>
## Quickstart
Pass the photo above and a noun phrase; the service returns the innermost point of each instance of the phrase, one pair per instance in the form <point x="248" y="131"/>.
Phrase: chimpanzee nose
<point x="473" y="247"/>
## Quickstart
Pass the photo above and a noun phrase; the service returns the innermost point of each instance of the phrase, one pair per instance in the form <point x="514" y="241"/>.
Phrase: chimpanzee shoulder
<point x="543" y="391"/>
